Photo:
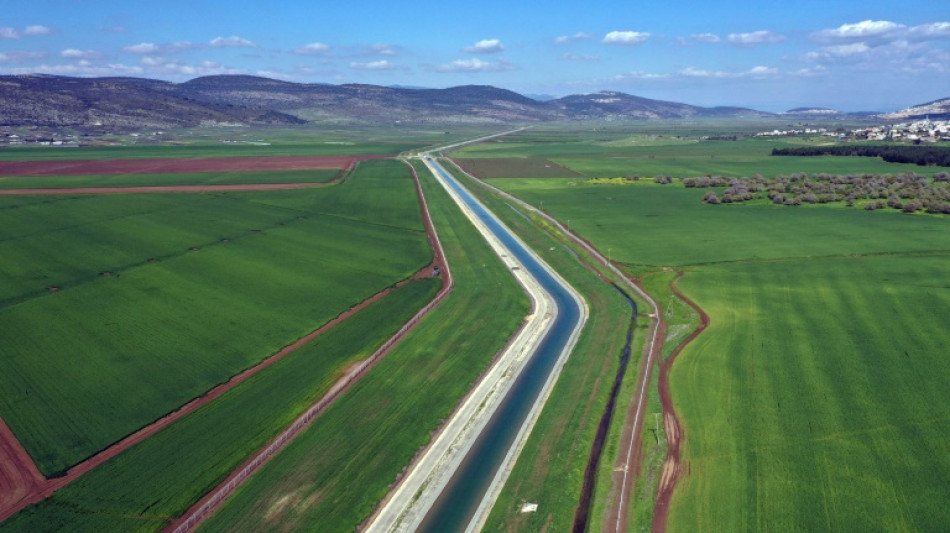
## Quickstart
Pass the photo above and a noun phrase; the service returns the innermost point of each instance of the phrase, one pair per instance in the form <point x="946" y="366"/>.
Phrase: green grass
<point x="105" y="355"/>
<point x="334" y="474"/>
<point x="157" y="480"/>
<point x="611" y="155"/>
<point x="827" y="411"/>
<point x="183" y="178"/>
<point x="814" y="400"/>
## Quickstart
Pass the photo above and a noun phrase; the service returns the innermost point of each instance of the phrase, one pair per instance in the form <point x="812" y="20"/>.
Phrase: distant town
<point x="918" y="131"/>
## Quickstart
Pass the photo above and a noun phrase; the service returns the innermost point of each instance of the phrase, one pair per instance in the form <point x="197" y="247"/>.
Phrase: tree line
<point x="916" y="154"/>
<point x="909" y="192"/>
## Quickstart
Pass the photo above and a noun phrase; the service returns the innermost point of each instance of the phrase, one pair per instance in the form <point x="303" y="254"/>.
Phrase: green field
<point x="610" y="154"/>
<point x="331" y="477"/>
<point x="814" y="400"/>
<point x="181" y="178"/>
<point x="185" y="305"/>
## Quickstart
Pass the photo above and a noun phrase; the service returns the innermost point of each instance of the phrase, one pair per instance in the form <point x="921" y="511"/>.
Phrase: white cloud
<point x="141" y="48"/>
<point x="625" y="37"/>
<point x="565" y="39"/>
<point x="755" y="37"/>
<point x="9" y="33"/>
<point x="485" y="46"/>
<point x="231" y="42"/>
<point x="313" y="49"/>
<point x="373" y="65"/>
<point x="705" y="38"/>
<point x="754" y="72"/>
<point x="20" y="56"/>
<point x="864" y="31"/>
<point x="37" y="29"/>
<point x="73" y="53"/>
<point x="474" y="65"/>
<point x="580" y="57"/>
<point x="932" y="30"/>
<point x="640" y="75"/>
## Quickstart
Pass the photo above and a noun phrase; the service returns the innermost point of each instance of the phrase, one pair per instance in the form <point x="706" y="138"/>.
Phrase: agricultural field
<point x="605" y="154"/>
<point x="170" y="179"/>
<point x="812" y="401"/>
<point x="157" y="298"/>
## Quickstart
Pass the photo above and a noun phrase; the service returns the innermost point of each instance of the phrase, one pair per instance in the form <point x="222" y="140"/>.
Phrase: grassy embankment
<point x="184" y="178"/>
<point x="333" y="475"/>
<point x="812" y="401"/>
<point x="551" y="466"/>
<point x="199" y="288"/>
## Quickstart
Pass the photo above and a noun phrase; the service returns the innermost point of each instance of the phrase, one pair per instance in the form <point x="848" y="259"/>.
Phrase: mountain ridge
<point x="243" y="100"/>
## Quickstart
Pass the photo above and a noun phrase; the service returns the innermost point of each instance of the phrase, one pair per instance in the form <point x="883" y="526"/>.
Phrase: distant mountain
<point x="137" y="103"/>
<point x="611" y="104"/>
<point x="938" y="109"/>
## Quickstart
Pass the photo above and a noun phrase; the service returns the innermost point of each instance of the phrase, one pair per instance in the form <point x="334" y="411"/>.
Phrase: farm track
<point x="672" y="468"/>
<point x="172" y="166"/>
<point x="21" y="483"/>
<point x="207" y="505"/>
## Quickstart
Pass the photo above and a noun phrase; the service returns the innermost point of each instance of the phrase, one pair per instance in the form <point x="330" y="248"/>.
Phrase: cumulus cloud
<point x="9" y="33"/>
<point x="141" y="48"/>
<point x="313" y="49"/>
<point x="383" y="49"/>
<point x="705" y="38"/>
<point x="37" y="29"/>
<point x="565" y="39"/>
<point x="755" y="37"/>
<point x="754" y="72"/>
<point x="232" y="42"/>
<point x="864" y="30"/>
<point x="474" y="65"/>
<point x="932" y="30"/>
<point x="838" y="51"/>
<point x="485" y="46"/>
<point x="625" y="37"/>
<point x="73" y="53"/>
<point x="373" y="65"/>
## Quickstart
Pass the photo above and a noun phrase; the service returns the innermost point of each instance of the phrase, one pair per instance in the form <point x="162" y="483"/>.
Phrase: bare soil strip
<point x="207" y="505"/>
<point x="171" y="166"/>
<point x="163" y="189"/>
<point x="21" y="483"/>
<point x="672" y="469"/>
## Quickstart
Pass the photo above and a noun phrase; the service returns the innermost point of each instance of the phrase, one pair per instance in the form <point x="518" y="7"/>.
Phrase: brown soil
<point x="163" y="189"/>
<point x="672" y="468"/>
<point x="21" y="483"/>
<point x="168" y="166"/>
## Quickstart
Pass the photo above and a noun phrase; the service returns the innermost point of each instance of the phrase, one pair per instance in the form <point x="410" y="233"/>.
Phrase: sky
<point x="849" y="55"/>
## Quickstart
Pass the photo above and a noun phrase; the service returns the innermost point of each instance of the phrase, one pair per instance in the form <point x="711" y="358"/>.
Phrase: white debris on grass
<point x="528" y="507"/>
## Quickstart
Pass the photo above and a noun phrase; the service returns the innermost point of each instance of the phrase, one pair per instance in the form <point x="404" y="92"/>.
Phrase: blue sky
<point x="849" y="55"/>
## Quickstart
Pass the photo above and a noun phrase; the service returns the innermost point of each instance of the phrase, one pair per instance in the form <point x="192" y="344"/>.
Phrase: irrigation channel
<point x="456" y="508"/>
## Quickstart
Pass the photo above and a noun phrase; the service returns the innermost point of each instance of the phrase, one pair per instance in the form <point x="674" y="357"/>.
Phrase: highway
<point x="453" y="485"/>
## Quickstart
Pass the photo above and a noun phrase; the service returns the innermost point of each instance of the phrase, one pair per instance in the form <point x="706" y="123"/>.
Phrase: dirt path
<point x="171" y="166"/>
<point x="164" y="189"/>
<point x="672" y="468"/>
<point x="21" y="483"/>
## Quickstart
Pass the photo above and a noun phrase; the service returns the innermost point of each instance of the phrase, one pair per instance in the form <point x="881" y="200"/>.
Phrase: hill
<point x="938" y="109"/>
<point x="132" y="103"/>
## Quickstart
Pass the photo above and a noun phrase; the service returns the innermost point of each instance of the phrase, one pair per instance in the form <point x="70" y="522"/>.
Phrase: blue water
<point x="455" y="507"/>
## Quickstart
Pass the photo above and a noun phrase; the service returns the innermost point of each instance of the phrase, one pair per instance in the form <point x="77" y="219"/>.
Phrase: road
<point x="453" y="485"/>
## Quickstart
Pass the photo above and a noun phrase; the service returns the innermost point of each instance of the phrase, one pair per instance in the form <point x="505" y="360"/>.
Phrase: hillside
<point x="938" y="109"/>
<point x="130" y="103"/>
